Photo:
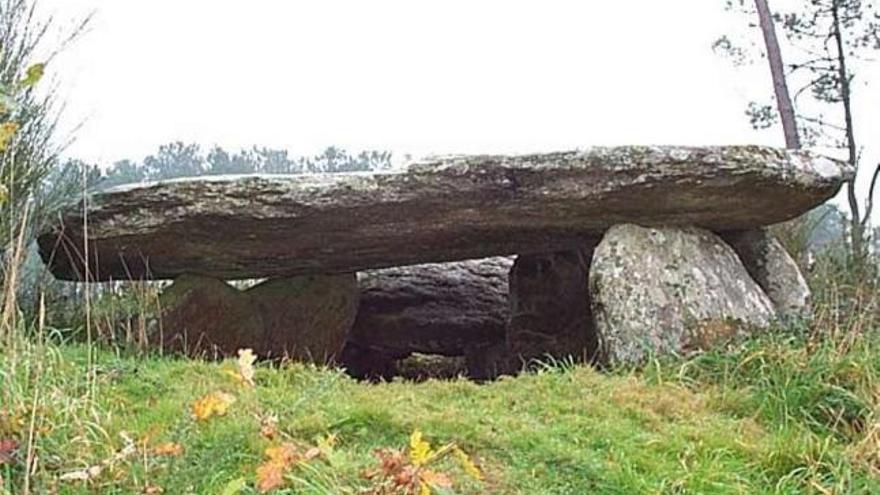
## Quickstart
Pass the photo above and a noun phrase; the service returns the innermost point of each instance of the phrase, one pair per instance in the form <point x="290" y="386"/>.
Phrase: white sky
<point x="412" y="76"/>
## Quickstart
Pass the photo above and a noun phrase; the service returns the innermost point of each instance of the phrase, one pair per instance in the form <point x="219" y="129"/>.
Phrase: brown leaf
<point x="435" y="479"/>
<point x="153" y="490"/>
<point x="8" y="447"/>
<point x="270" y="474"/>
<point x="169" y="449"/>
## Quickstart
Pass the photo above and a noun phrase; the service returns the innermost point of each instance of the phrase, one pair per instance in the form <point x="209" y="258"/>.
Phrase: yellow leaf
<point x="246" y="359"/>
<point x="7" y="132"/>
<point x="169" y="449"/>
<point x="419" y="450"/>
<point x="33" y="75"/>
<point x="286" y="454"/>
<point x="467" y="464"/>
<point x="215" y="404"/>
<point x="234" y="375"/>
<point x="270" y="474"/>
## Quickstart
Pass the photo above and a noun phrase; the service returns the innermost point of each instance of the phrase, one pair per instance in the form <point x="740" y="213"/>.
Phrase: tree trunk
<point x="777" y="70"/>
<point x="857" y="231"/>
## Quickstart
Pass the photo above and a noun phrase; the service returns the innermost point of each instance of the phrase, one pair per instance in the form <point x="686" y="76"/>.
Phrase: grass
<point x="777" y="414"/>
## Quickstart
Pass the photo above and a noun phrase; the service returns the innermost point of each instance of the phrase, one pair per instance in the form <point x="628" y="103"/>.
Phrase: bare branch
<point x="869" y="205"/>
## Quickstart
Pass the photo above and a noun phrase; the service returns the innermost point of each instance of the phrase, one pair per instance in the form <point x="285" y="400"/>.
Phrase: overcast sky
<point x="410" y="76"/>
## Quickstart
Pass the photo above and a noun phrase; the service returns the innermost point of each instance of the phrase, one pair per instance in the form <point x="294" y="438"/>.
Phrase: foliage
<point x="29" y="144"/>
<point x="830" y="37"/>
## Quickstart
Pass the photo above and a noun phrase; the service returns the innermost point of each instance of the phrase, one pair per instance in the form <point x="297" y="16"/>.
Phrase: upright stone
<point x="305" y="318"/>
<point x="550" y="307"/>
<point x="670" y="290"/>
<point x="774" y="270"/>
<point x="204" y="315"/>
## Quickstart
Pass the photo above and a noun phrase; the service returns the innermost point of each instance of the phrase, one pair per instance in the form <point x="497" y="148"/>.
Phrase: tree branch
<point x="869" y="206"/>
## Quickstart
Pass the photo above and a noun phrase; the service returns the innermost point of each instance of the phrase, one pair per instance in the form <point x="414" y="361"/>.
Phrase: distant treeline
<point x="177" y="159"/>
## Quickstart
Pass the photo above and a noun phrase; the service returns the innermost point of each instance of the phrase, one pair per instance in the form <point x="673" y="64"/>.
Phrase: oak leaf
<point x="270" y="474"/>
<point x="214" y="404"/>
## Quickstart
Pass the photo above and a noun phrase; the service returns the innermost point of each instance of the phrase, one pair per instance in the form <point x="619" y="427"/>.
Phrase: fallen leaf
<point x="419" y="449"/>
<point x="8" y="446"/>
<point x="431" y="479"/>
<point x="270" y="474"/>
<point x="312" y="453"/>
<point x="153" y="490"/>
<point x="214" y="404"/>
<point x="286" y="453"/>
<point x="168" y="448"/>
<point x="467" y="464"/>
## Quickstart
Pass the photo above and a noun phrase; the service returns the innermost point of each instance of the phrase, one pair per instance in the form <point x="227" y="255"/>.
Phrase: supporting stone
<point x="305" y="318"/>
<point x="550" y="313"/>
<point x="670" y="290"/>
<point x="309" y="317"/>
<point x="774" y="270"/>
<point x="201" y="315"/>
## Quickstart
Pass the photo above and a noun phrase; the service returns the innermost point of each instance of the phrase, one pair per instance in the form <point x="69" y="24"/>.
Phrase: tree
<point x="829" y="35"/>
<point x="777" y="71"/>
<point x="177" y="159"/>
<point x="174" y="160"/>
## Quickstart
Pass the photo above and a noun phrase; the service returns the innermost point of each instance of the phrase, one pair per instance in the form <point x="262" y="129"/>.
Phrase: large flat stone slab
<point x="444" y="209"/>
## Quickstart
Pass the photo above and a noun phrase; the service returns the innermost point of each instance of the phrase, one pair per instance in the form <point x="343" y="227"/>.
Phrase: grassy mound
<point x="774" y="415"/>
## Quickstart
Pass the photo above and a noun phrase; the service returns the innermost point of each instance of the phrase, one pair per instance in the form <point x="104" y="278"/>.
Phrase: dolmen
<point x="607" y="255"/>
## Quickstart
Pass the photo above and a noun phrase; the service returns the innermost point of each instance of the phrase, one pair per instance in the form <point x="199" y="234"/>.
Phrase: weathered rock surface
<point x="441" y="210"/>
<point x="435" y="308"/>
<point x="206" y="315"/>
<point x="670" y="290"/>
<point x="453" y="309"/>
<point x="550" y="313"/>
<point x="773" y="269"/>
<point x="306" y="318"/>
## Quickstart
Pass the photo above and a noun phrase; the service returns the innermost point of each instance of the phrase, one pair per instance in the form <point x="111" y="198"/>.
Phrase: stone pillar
<point x="670" y="290"/>
<point x="306" y="318"/>
<point x="550" y="313"/>
<point x="774" y="270"/>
